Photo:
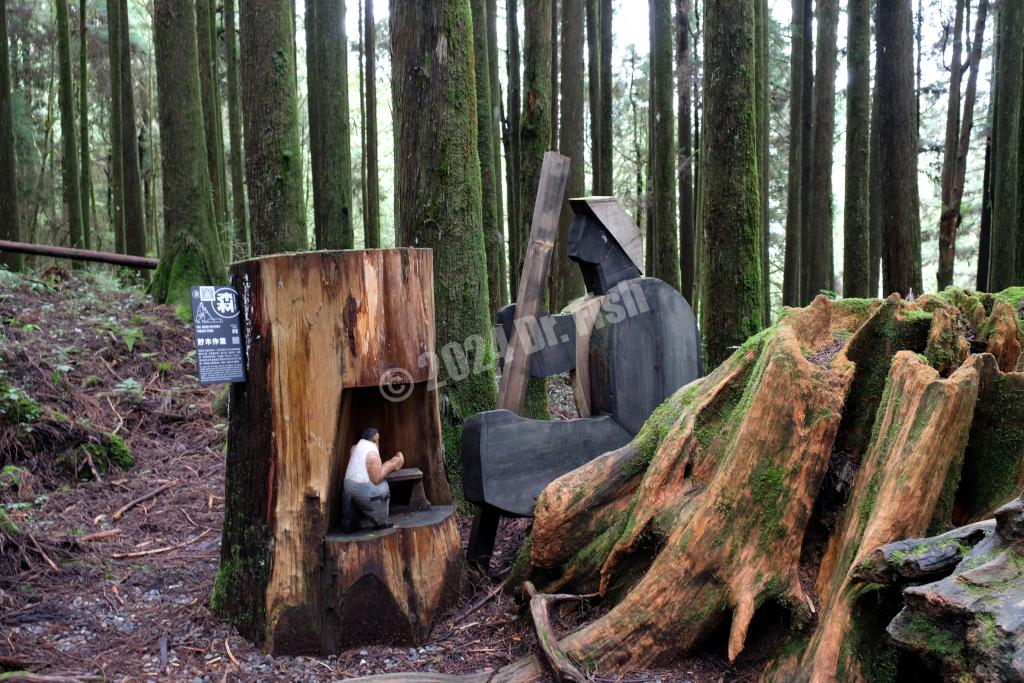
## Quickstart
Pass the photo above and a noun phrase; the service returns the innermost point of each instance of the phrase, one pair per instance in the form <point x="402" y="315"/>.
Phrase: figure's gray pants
<point x="373" y="500"/>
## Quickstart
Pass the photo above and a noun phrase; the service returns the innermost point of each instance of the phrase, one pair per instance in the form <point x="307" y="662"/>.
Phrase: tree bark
<point x="807" y="171"/>
<point x="594" y="94"/>
<point x="856" y="215"/>
<point x="732" y="296"/>
<point x="437" y="192"/>
<point x="949" y="219"/>
<point x="820" y="217"/>
<point x="606" y="13"/>
<point x="287" y="578"/>
<point x="191" y="247"/>
<point x="330" y="151"/>
<point x="762" y="86"/>
<point x="901" y="223"/>
<point x="115" y="187"/>
<point x="555" y="93"/>
<point x="273" y="159"/>
<point x="372" y="217"/>
<point x="791" y="284"/>
<point x="490" y="184"/>
<point x="684" y="76"/>
<point x="569" y="282"/>
<point x="1006" y="119"/>
<point x="85" y="162"/>
<point x="69" y="164"/>
<point x="236" y="160"/>
<point x="492" y="61"/>
<point x="209" y="78"/>
<point x="513" y="151"/>
<point x="9" y="216"/>
<point x="663" y="156"/>
<point x="875" y="199"/>
<point x="985" y="227"/>
<point x="134" y="209"/>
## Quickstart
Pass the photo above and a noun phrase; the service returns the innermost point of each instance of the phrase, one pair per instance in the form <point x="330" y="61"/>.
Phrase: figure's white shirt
<point x="357" y="471"/>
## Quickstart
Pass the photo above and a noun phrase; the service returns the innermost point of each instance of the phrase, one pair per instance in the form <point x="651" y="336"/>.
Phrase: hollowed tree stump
<point x="321" y="331"/>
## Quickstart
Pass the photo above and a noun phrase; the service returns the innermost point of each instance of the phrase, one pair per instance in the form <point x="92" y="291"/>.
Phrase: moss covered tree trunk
<point x="513" y="151"/>
<point x="273" y="155"/>
<point x="134" y="209"/>
<point x="663" y="157"/>
<point x="236" y="160"/>
<point x="1007" y="122"/>
<point x="875" y="200"/>
<point x="731" y="206"/>
<point x="897" y="130"/>
<point x="496" y="120"/>
<point x="85" y="162"/>
<point x="820" y="221"/>
<point x="330" y="152"/>
<point x="685" y="161"/>
<point x="807" y="139"/>
<point x="372" y="217"/>
<point x="69" y="135"/>
<point x="791" y="291"/>
<point x="9" y="216"/>
<point x="209" y="78"/>
<point x="438" y="196"/>
<point x="730" y="507"/>
<point x="856" y="220"/>
<point x="762" y="87"/>
<point x="191" y="247"/>
<point x="115" y="188"/>
<point x="490" y="177"/>
<point x="606" y="13"/>
<point x="565" y="273"/>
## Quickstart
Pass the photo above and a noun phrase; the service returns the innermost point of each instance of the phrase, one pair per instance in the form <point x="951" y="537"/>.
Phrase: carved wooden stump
<point x="335" y="342"/>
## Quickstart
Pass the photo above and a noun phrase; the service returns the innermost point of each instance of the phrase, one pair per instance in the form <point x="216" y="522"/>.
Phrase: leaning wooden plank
<point x="553" y="176"/>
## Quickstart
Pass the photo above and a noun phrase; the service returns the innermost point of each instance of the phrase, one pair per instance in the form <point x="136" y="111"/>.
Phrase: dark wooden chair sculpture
<point x="629" y="344"/>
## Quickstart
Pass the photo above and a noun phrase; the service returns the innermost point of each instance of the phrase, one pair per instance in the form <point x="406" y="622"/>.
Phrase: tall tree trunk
<point x="606" y="14"/>
<point x="85" y="163"/>
<point x="791" y="292"/>
<point x="570" y="143"/>
<point x="554" y="74"/>
<point x="514" y="150"/>
<point x="236" y="160"/>
<point x="762" y="86"/>
<point x="191" y="251"/>
<point x="856" y="217"/>
<point x="731" y="213"/>
<point x="684" y="76"/>
<point x="820" y="218"/>
<point x="330" y="152"/>
<point x="901" y="226"/>
<point x="9" y="216"/>
<point x="875" y="201"/>
<point x="437" y="190"/>
<point x="372" y="217"/>
<point x="492" y="62"/>
<point x="134" y="210"/>
<point x="947" y="246"/>
<point x="70" y="168"/>
<point x="273" y="155"/>
<point x="949" y="220"/>
<point x="209" y="78"/>
<point x="807" y="170"/>
<point x="663" y="157"/>
<point x="985" y="225"/>
<point x="116" y="184"/>
<point x="1006" y="119"/>
<point x="594" y="94"/>
<point x="489" y="177"/>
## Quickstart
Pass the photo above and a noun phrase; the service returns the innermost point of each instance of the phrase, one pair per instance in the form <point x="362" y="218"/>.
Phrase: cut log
<point x="970" y="625"/>
<point x="335" y="342"/>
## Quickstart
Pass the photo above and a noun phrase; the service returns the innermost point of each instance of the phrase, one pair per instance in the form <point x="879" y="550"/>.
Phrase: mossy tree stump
<point x="321" y="331"/>
<point x="740" y="509"/>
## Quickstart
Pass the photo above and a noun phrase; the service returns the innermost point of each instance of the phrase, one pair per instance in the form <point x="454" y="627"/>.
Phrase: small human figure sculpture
<point x="366" y="490"/>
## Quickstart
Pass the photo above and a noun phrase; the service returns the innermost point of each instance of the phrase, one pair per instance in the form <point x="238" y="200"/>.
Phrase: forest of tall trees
<point x="770" y="152"/>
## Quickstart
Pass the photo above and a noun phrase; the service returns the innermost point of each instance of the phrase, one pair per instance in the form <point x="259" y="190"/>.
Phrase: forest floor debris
<point x="133" y="552"/>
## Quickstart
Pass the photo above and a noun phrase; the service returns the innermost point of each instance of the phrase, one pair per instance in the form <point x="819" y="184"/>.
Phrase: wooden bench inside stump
<point x="336" y="342"/>
<point x="407" y="491"/>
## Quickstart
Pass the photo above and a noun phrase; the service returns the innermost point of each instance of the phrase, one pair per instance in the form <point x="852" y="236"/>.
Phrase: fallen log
<point x="126" y="260"/>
